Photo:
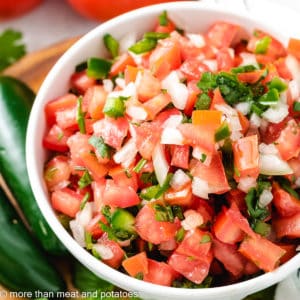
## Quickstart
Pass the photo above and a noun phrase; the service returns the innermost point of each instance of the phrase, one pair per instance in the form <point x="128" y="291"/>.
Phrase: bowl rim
<point x="120" y="279"/>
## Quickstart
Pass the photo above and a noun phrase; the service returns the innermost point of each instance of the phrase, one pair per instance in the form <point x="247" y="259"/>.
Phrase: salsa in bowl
<point x="174" y="155"/>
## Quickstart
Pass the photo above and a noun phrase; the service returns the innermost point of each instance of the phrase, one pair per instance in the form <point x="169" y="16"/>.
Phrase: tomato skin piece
<point x="137" y="264"/>
<point x="221" y="34"/>
<point x="246" y="156"/>
<point x="57" y="170"/>
<point x="285" y="203"/>
<point x="265" y="254"/>
<point x="56" y="139"/>
<point x="81" y="82"/>
<point x="113" y="131"/>
<point x="160" y="273"/>
<point x="194" y="269"/>
<point x="151" y="230"/>
<point x="226" y="230"/>
<point x="192" y="244"/>
<point x="119" y="196"/>
<point x="228" y="255"/>
<point x="66" y="201"/>
<point x="288" y="142"/>
<point x="287" y="226"/>
<point x="180" y="156"/>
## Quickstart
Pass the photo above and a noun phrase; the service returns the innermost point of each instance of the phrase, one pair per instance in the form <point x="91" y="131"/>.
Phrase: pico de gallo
<point x="176" y="160"/>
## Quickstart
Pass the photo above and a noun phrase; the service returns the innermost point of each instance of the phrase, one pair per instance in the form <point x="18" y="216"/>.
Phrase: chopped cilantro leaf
<point x="98" y="143"/>
<point x="85" y="180"/>
<point x="163" y="19"/>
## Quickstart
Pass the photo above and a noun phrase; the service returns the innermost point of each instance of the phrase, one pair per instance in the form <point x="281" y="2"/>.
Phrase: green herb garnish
<point x="98" y="143"/>
<point x="85" y="180"/>
<point x="80" y="116"/>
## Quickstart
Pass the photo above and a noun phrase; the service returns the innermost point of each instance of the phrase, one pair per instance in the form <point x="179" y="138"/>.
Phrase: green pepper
<point x="222" y="132"/>
<point x="98" y="68"/>
<point x="24" y="267"/>
<point x="15" y="104"/>
<point x="262" y="45"/>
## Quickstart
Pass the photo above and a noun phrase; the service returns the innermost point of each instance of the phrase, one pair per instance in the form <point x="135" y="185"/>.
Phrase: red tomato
<point x="245" y="152"/>
<point x="66" y="201"/>
<point x="214" y="174"/>
<point x="265" y="254"/>
<point x="166" y="114"/>
<point x="272" y="132"/>
<point x="226" y="230"/>
<point x="9" y="9"/>
<point x="165" y="58"/>
<point x="156" y="104"/>
<point x="105" y="9"/>
<point x="136" y="264"/>
<point x="81" y="82"/>
<point x="287" y="227"/>
<point x="285" y="203"/>
<point x="93" y="227"/>
<point x="95" y="98"/>
<point x="196" y="243"/>
<point x="294" y="47"/>
<point x="193" y="68"/>
<point x="194" y="269"/>
<point x="217" y="99"/>
<point x="119" y="196"/>
<point x="98" y="189"/>
<point x="238" y="197"/>
<point x="192" y="97"/>
<point x="290" y="252"/>
<point x="113" y="131"/>
<point x="57" y="171"/>
<point x="151" y="230"/>
<point x="250" y="77"/>
<point x="124" y="177"/>
<point x="225" y="60"/>
<point x="180" y="156"/>
<point x="222" y="34"/>
<point x="160" y="273"/>
<point x="182" y="197"/>
<point x="148" y="87"/>
<point x="228" y="255"/>
<point x="56" y="139"/>
<point x="283" y="69"/>
<point x="121" y="63"/>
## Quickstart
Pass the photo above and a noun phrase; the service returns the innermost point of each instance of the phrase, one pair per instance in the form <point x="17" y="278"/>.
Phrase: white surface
<point x="188" y="14"/>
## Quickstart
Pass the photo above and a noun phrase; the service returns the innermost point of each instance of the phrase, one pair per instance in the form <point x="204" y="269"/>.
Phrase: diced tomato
<point x="66" y="119"/>
<point x="151" y="230"/>
<point x="62" y="103"/>
<point x="197" y="135"/>
<point x="194" y="269"/>
<point x="56" y="139"/>
<point x="93" y="227"/>
<point x="294" y="47"/>
<point x="148" y="86"/>
<point x="98" y="190"/>
<point x="179" y="197"/>
<point x="160" y="273"/>
<point x="225" y="60"/>
<point x="245" y="153"/>
<point x="294" y="163"/>
<point x="251" y="268"/>
<point x="283" y="69"/>
<point x="245" y="123"/>
<point x="136" y="264"/>
<point x="156" y="104"/>
<point x="113" y="131"/>
<point x="272" y="132"/>
<point x="57" y="171"/>
<point x="114" y="247"/>
<point x="193" y="68"/>
<point x="193" y="92"/>
<point x="119" y="196"/>
<point x="95" y="98"/>
<point x="120" y="64"/>
<point x="265" y="254"/>
<point x="211" y="118"/>
<point x="81" y="82"/>
<point x="196" y="243"/>
<point x="147" y="136"/>
<point x="285" y="203"/>
<point x="217" y="99"/>
<point x="288" y="142"/>
<point x="66" y="201"/>
<point x="290" y="251"/>
<point x="287" y="227"/>
<point x="203" y="207"/>
<point x="180" y="156"/>
<point x="124" y="177"/>
<point x="168" y="28"/>
<point x="214" y="174"/>
<point x="166" y="114"/>
<point x="221" y="34"/>
<point x="165" y="58"/>
<point x="226" y="230"/>
<point x="250" y="77"/>
<point x="228" y="255"/>
<point x="130" y="74"/>
<point x="238" y="197"/>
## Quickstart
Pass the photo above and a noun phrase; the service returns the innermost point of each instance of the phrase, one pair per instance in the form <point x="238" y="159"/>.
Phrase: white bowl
<point x="193" y="17"/>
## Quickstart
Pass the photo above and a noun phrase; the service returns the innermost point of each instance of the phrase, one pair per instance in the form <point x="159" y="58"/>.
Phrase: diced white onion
<point x="192" y="220"/>
<point x="246" y="183"/>
<point x="126" y="154"/>
<point x="120" y="82"/>
<point x="276" y="114"/>
<point x="197" y="39"/>
<point x="297" y="182"/>
<point x="294" y="89"/>
<point x="236" y="135"/>
<point x="179" y="180"/>
<point x="85" y="215"/>
<point x="294" y="67"/>
<point x="108" y="85"/>
<point x="77" y="232"/>
<point x="200" y="188"/>
<point x="267" y="149"/>
<point x="265" y="198"/>
<point x="231" y="52"/>
<point x="270" y="164"/>
<point x="136" y="112"/>
<point x="171" y="136"/>
<point x="104" y="251"/>
<point x="243" y="107"/>
<point x="127" y="41"/>
<point x="160" y="164"/>
<point x="128" y="91"/>
<point x="173" y="121"/>
<point x="248" y="59"/>
<point x="211" y="64"/>
<point x="255" y="120"/>
<point x="231" y="116"/>
<point x="60" y="185"/>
